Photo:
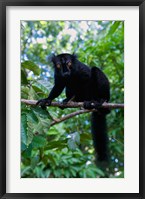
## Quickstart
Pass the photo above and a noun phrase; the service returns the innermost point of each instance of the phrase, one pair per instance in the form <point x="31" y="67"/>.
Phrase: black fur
<point x="83" y="84"/>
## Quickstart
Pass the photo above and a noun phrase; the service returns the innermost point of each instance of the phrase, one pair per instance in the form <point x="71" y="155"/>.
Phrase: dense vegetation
<point x="65" y="150"/>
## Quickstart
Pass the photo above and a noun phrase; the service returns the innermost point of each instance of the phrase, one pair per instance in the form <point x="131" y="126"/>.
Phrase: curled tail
<point x="100" y="138"/>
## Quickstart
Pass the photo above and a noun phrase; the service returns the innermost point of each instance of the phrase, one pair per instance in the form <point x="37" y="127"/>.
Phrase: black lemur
<point x="83" y="84"/>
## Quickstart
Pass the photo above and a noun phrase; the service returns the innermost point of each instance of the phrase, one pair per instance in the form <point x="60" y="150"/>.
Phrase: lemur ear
<point x="52" y="57"/>
<point x="74" y="56"/>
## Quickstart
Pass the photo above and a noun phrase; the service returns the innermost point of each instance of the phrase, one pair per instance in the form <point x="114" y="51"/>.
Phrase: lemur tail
<point x="100" y="137"/>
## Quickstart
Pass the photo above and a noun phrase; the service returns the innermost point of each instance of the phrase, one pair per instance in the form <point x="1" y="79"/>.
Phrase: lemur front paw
<point x="44" y="102"/>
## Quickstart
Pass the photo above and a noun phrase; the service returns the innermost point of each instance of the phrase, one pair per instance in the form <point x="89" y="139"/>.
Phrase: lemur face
<point x="63" y="63"/>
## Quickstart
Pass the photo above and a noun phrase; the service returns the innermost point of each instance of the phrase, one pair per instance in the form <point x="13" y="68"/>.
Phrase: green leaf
<point x="41" y="86"/>
<point x="73" y="173"/>
<point x="24" y="92"/>
<point x="44" y="122"/>
<point x="26" y="130"/>
<point x="39" y="141"/>
<point x="26" y="170"/>
<point x="91" y="173"/>
<point x="65" y="150"/>
<point x="29" y="132"/>
<point x="71" y="144"/>
<point x="67" y="173"/>
<point x="27" y="152"/>
<point x="32" y="67"/>
<point x="113" y="27"/>
<point x="23" y="146"/>
<point x="40" y="112"/>
<point x="52" y="131"/>
<point x="24" y="77"/>
<point x="34" y="161"/>
<point x="56" y="145"/>
<point x="100" y="172"/>
<point x="32" y="94"/>
<point x="32" y="117"/>
<point x="76" y="137"/>
<point x="47" y="173"/>
<point x="39" y="128"/>
<point x="40" y="119"/>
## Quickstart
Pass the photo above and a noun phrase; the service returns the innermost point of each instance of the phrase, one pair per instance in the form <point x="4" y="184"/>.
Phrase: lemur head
<point x="64" y="63"/>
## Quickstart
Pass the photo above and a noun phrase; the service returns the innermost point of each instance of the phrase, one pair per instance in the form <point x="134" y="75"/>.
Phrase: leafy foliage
<point x="66" y="150"/>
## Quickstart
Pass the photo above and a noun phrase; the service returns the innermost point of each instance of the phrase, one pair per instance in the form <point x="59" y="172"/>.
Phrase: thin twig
<point x="70" y="116"/>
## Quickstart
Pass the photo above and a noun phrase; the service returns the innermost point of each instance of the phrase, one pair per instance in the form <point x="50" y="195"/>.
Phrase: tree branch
<point x="73" y="104"/>
<point x="66" y="117"/>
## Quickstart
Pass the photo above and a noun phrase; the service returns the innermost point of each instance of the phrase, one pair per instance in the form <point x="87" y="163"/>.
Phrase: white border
<point x="130" y="184"/>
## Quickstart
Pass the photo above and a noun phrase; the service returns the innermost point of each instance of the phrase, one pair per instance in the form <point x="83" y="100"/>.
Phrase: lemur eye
<point x="69" y="63"/>
<point x="58" y="65"/>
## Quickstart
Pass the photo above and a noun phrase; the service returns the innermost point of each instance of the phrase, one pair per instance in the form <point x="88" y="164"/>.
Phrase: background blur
<point x="65" y="150"/>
